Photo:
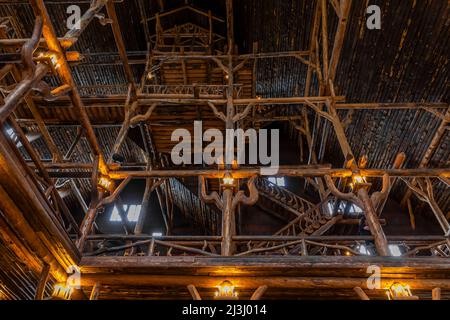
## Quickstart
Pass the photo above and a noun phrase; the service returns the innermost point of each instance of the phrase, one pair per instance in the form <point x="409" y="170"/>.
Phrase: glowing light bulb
<point x="228" y="180"/>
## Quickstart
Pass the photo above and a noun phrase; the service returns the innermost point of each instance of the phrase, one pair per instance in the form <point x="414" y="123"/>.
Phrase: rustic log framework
<point x="296" y="239"/>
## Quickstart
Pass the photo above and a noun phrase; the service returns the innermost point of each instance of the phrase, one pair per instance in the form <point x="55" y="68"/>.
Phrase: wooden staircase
<point x="302" y="216"/>
<point x="306" y="218"/>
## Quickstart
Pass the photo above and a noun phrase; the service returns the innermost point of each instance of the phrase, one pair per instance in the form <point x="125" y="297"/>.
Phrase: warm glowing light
<point x="227" y="76"/>
<point x="105" y="183"/>
<point x="225" y="291"/>
<point x="150" y="76"/>
<point x="49" y="57"/>
<point x="398" y="291"/>
<point x="54" y="60"/>
<point x="62" y="292"/>
<point x="228" y="180"/>
<point x="357" y="180"/>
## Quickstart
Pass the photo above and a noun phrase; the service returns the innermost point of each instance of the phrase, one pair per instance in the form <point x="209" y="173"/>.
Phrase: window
<point x="395" y="250"/>
<point x="157" y="234"/>
<point x="10" y="133"/>
<point x="354" y="209"/>
<point x="363" y="250"/>
<point x="279" y="181"/>
<point x="133" y="213"/>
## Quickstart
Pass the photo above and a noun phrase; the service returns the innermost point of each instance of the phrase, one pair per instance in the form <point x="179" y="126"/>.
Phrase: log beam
<point x="252" y="282"/>
<point x="65" y="74"/>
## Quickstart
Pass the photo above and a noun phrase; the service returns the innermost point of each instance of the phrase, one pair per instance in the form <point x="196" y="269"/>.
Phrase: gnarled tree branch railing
<point x="409" y="246"/>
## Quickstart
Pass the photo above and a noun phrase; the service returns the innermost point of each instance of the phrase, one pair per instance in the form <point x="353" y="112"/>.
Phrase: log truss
<point x="300" y="237"/>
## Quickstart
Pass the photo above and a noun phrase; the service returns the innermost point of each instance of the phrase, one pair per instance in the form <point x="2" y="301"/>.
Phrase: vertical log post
<point x="369" y="204"/>
<point x="227" y="222"/>
<point x="373" y="222"/>
<point x="228" y="203"/>
<point x="436" y="294"/>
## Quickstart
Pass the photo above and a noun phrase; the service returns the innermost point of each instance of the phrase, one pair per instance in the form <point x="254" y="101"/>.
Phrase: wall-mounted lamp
<point x="225" y="291"/>
<point x="61" y="291"/>
<point x="398" y="291"/>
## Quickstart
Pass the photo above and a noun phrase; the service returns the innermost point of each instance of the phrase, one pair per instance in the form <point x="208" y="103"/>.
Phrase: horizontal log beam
<point x="167" y="56"/>
<point x="211" y="271"/>
<point x="17" y="43"/>
<point x="149" y="99"/>
<point x="254" y="282"/>
<point x="394" y="238"/>
<point x="394" y="106"/>
<point x="297" y="171"/>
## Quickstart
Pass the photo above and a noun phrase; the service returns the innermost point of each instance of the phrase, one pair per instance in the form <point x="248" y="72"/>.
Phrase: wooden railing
<point x="409" y="246"/>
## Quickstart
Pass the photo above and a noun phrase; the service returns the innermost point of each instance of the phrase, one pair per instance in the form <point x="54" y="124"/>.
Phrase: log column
<point x="228" y="203"/>
<point x="362" y="199"/>
<point x="374" y="223"/>
<point x="228" y="225"/>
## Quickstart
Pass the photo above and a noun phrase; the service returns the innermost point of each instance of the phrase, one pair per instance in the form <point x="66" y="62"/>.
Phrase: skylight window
<point x="133" y="213"/>
<point x="279" y="181"/>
